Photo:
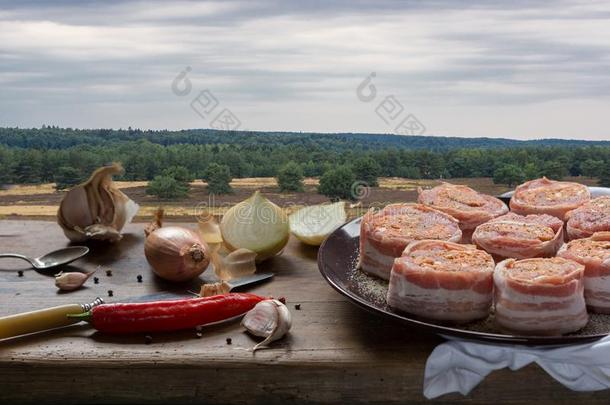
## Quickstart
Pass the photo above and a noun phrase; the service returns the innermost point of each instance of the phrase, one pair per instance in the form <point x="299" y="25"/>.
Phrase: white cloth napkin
<point x="459" y="366"/>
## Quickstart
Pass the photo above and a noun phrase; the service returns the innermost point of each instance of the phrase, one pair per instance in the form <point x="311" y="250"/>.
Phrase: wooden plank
<point x="335" y="352"/>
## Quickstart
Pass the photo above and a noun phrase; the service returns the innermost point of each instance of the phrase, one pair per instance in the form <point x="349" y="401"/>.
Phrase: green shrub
<point x="167" y="187"/>
<point x="337" y="183"/>
<point x="508" y="174"/>
<point x="218" y="178"/>
<point x="290" y="177"/>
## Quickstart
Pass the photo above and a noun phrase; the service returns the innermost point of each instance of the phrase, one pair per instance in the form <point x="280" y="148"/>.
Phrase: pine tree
<point x="290" y="177"/>
<point x="218" y="178"/>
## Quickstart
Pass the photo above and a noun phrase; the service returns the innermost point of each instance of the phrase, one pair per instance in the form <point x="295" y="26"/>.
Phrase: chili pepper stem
<point x="85" y="316"/>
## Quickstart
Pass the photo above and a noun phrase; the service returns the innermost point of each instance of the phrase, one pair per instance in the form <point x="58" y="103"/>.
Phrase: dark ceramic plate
<point x="337" y="260"/>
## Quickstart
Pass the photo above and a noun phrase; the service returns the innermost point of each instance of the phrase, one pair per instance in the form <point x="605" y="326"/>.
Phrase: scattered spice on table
<point x="109" y="273"/>
<point x="297" y="307"/>
<point x="110" y="293"/>
<point x="282" y="300"/>
<point x="96" y="280"/>
<point x="139" y="277"/>
<point x="20" y="273"/>
<point x="148" y="339"/>
<point x="229" y="341"/>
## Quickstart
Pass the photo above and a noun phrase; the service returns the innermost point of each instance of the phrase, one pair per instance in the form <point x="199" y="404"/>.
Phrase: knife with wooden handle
<point x="42" y="319"/>
<point x="56" y="317"/>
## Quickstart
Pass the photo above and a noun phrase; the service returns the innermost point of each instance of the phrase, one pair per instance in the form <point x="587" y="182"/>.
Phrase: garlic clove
<point x="71" y="218"/>
<point x="102" y="232"/>
<point x="269" y="319"/>
<point x="208" y="290"/>
<point x="71" y="281"/>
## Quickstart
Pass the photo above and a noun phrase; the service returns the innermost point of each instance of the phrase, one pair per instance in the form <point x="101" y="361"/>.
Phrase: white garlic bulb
<point x="96" y="209"/>
<point x="269" y="319"/>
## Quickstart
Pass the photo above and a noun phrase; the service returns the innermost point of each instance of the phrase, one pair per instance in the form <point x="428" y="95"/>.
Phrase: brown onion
<point x="175" y="253"/>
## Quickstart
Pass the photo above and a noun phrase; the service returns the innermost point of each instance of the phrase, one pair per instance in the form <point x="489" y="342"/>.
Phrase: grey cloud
<point x="428" y="53"/>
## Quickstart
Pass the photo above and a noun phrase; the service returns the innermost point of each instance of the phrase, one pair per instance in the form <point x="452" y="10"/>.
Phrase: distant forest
<point x="35" y="155"/>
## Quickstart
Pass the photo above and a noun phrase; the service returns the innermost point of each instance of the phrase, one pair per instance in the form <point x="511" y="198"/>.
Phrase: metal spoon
<point x="53" y="259"/>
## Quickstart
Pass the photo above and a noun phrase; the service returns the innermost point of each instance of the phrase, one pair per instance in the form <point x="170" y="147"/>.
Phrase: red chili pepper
<point x="162" y="316"/>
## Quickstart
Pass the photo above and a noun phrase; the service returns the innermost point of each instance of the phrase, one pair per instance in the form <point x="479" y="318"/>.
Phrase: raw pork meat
<point x="594" y="254"/>
<point x="540" y="296"/>
<point x="520" y="237"/>
<point x="442" y="281"/>
<point x="544" y="196"/>
<point x="385" y="234"/>
<point x="466" y="205"/>
<point x="591" y="217"/>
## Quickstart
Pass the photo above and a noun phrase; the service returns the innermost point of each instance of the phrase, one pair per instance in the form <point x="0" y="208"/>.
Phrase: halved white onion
<point x="314" y="223"/>
<point x="255" y="224"/>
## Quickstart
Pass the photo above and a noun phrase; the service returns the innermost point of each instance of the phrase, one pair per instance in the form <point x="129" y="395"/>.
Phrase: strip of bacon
<point x="541" y="296"/>
<point x="594" y="254"/>
<point x="385" y="234"/>
<point x="443" y="281"/>
<point x="520" y="237"/>
<point x="544" y="196"/>
<point x="463" y="203"/>
<point x="591" y="217"/>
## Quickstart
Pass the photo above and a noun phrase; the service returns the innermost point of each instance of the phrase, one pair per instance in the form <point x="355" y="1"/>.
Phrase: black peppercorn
<point x="20" y="273"/>
<point x="110" y="293"/>
<point x="96" y="280"/>
<point x="229" y="341"/>
<point x="139" y="277"/>
<point x="297" y="307"/>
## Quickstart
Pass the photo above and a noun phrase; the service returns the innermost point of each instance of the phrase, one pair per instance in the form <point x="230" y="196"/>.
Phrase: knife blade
<point x="235" y="284"/>
<point x="55" y="317"/>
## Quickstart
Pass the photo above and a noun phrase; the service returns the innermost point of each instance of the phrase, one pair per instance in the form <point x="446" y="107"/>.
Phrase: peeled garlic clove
<point x="239" y="263"/>
<point x="96" y="209"/>
<point x="311" y="225"/>
<point x="269" y="319"/>
<point x="256" y="224"/>
<point x="71" y="281"/>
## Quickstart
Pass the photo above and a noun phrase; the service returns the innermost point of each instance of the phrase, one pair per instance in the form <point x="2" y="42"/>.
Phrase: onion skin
<point x="176" y="254"/>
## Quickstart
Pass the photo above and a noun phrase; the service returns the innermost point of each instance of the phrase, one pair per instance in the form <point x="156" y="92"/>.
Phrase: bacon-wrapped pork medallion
<point x="594" y="254"/>
<point x="520" y="237"/>
<point x="540" y="296"/>
<point x="466" y="205"/>
<point x="443" y="281"/>
<point x="385" y="234"/>
<point x="544" y="196"/>
<point x="591" y="217"/>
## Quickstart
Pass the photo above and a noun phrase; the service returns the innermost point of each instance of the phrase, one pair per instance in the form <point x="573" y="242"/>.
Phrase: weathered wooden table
<point x="335" y="352"/>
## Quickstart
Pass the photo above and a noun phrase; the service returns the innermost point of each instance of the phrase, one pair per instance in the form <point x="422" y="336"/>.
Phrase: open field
<point x="41" y="201"/>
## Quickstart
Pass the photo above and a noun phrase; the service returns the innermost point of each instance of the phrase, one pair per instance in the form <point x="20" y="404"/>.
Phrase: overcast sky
<point x="531" y="69"/>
